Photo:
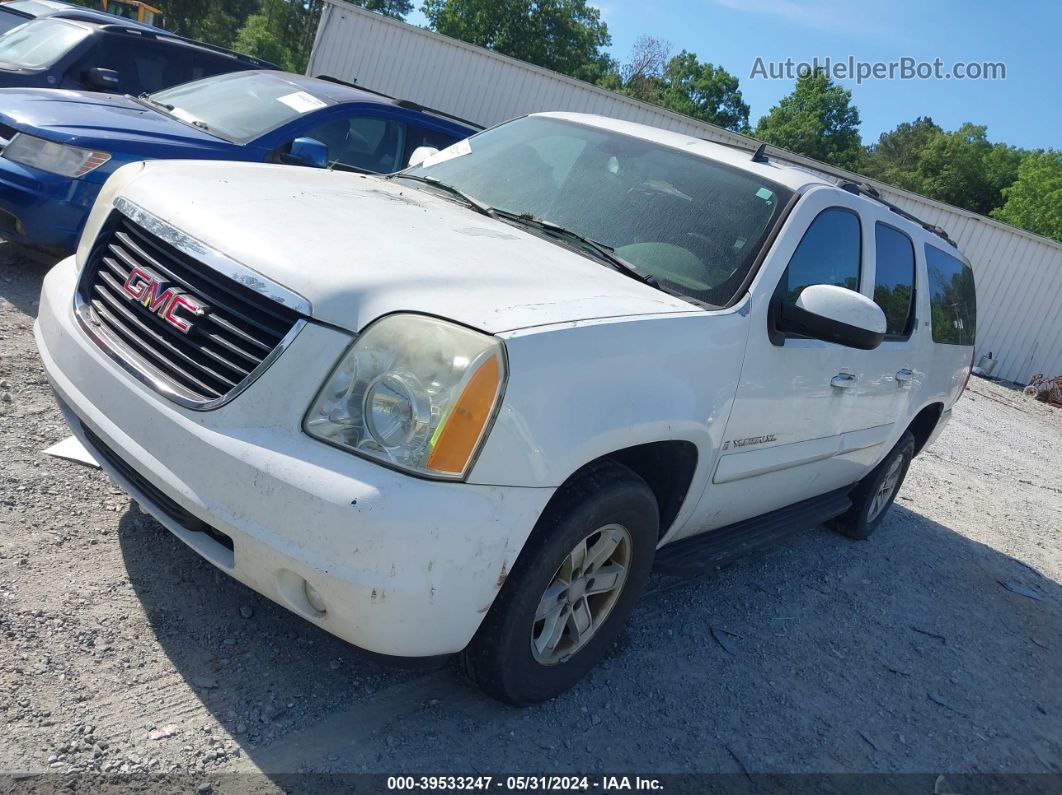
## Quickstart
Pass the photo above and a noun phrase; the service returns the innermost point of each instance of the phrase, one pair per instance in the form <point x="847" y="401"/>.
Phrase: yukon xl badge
<point x="750" y="440"/>
<point x="151" y="291"/>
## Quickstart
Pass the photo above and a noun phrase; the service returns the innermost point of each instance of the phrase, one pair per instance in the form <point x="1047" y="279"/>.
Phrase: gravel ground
<point x="932" y="648"/>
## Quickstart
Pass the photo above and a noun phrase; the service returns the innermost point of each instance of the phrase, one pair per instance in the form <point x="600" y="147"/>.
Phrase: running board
<point x="711" y="549"/>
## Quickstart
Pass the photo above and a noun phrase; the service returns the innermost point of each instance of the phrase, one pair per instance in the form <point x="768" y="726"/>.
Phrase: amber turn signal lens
<point x="460" y="432"/>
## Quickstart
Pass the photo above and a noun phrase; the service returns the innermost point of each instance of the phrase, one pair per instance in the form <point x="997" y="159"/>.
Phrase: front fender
<point x="577" y="392"/>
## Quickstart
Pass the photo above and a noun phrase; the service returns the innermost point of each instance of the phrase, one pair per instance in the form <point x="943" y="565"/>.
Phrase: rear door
<point x="900" y="369"/>
<point x="802" y="424"/>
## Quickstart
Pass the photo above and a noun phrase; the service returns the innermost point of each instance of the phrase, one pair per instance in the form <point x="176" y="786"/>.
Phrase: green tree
<point x="566" y="36"/>
<point x="399" y="9"/>
<point x="680" y="83"/>
<point x="961" y="167"/>
<point x="704" y="91"/>
<point x="895" y="157"/>
<point x="208" y="20"/>
<point x="965" y="169"/>
<point x="280" y="32"/>
<point x="817" y="120"/>
<point x="1034" y="200"/>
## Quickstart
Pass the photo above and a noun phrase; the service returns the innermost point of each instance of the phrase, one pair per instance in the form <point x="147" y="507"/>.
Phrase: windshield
<point x="40" y="44"/>
<point x="240" y="105"/>
<point x="693" y="224"/>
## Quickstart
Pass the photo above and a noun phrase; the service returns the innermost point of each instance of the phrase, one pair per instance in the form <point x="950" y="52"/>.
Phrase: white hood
<point x="359" y="247"/>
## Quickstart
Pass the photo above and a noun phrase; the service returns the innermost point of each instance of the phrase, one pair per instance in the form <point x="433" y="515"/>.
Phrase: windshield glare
<point x="239" y="105"/>
<point x="38" y="45"/>
<point x="694" y="224"/>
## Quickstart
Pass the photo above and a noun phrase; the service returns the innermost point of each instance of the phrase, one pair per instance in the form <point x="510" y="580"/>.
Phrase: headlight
<point x="68" y="161"/>
<point x="415" y="392"/>
<point x="101" y="210"/>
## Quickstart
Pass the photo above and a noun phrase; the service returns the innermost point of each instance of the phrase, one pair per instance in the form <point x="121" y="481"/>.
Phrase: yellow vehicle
<point x="133" y="9"/>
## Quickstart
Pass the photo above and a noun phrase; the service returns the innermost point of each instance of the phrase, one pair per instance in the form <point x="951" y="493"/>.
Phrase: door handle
<point x="843" y="380"/>
<point x="904" y="376"/>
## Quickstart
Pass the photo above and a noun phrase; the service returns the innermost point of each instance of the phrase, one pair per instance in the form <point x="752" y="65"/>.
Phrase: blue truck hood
<point x="106" y="121"/>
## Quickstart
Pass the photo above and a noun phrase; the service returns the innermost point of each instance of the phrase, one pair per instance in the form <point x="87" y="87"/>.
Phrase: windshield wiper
<point x="471" y="201"/>
<point x="147" y="98"/>
<point x="169" y="110"/>
<point x="603" y="251"/>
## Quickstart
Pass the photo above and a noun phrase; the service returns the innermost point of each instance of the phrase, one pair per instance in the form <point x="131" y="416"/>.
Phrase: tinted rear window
<point x="894" y="282"/>
<point x="952" y="298"/>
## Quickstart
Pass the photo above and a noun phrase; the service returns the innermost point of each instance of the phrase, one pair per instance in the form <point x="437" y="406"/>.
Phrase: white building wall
<point x="1019" y="274"/>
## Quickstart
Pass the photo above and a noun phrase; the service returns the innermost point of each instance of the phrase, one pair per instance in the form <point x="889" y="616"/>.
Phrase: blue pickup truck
<point x="57" y="148"/>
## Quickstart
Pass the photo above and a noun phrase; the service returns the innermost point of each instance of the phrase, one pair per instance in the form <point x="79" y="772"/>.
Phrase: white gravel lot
<point x="122" y="651"/>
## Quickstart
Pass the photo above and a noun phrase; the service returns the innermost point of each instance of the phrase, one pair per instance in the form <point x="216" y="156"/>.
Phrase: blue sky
<point x="1025" y="109"/>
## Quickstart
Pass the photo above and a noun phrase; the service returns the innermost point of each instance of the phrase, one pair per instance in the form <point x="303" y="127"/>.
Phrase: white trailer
<point x="1019" y="274"/>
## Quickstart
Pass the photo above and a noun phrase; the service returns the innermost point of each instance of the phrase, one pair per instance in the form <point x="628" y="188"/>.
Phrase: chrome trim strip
<point x="213" y="258"/>
<point x="121" y="354"/>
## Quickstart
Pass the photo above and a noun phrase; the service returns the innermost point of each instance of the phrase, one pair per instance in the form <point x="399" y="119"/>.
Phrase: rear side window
<point x="952" y="298"/>
<point x="894" y="279"/>
<point x="829" y="253"/>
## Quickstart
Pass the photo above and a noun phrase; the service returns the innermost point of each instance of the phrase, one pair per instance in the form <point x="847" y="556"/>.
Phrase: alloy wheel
<point x="885" y="490"/>
<point x="581" y="594"/>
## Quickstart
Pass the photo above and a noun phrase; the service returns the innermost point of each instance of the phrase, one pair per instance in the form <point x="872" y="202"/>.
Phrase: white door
<point x="897" y="376"/>
<point x="805" y="420"/>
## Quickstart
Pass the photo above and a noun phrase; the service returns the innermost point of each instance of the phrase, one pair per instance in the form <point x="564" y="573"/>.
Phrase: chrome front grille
<point x="196" y="334"/>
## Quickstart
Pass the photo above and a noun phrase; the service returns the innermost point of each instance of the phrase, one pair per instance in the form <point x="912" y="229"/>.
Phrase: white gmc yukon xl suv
<point x="463" y="409"/>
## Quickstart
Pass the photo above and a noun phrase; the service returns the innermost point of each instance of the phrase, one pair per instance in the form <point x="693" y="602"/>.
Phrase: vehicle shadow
<point x="906" y="653"/>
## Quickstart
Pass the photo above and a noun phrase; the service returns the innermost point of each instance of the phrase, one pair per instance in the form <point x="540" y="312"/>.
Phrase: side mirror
<point x="420" y="154"/>
<point x="307" y="152"/>
<point x="834" y="314"/>
<point x="103" y="79"/>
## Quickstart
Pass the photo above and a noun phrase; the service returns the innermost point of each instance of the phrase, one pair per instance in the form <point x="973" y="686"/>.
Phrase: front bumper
<point x="405" y="566"/>
<point x="43" y="210"/>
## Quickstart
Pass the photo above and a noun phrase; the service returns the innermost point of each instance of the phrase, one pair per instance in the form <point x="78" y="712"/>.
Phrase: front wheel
<point x="571" y="591"/>
<point x="873" y="495"/>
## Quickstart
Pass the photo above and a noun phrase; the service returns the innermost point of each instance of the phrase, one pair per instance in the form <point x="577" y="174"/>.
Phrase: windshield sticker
<point x="459" y="149"/>
<point x="301" y="102"/>
<point x="764" y="194"/>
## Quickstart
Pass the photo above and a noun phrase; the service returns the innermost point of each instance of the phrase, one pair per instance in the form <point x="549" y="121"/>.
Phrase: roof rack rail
<point x="239" y="56"/>
<point x="863" y="189"/>
<point x="118" y="27"/>
<point x="402" y="103"/>
<point x="83" y="15"/>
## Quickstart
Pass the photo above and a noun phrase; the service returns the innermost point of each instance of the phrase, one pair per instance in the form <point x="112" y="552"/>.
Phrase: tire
<point x="868" y="510"/>
<point x="608" y="503"/>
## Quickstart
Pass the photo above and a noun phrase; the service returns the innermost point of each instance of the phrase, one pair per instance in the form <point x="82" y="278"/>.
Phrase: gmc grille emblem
<point x="156" y="296"/>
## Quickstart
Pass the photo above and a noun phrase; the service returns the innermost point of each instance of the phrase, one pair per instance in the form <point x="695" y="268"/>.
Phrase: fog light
<point x="314" y="598"/>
